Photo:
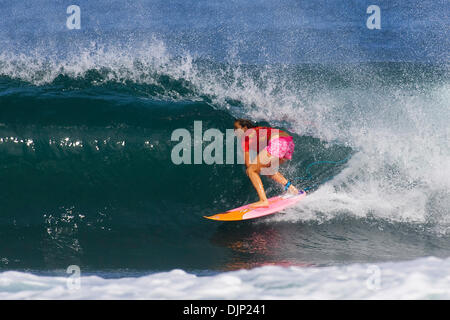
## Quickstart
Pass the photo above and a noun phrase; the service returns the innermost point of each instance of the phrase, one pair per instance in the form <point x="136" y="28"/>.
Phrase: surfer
<point x="279" y="149"/>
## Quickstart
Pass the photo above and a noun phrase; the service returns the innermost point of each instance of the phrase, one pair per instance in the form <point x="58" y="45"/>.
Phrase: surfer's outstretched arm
<point x="263" y="160"/>
<point x="247" y="159"/>
<point x="253" y="173"/>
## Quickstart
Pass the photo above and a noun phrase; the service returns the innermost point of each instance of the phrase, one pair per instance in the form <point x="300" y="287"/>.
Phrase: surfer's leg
<point x="281" y="149"/>
<point x="253" y="173"/>
<point x="278" y="177"/>
<point x="264" y="161"/>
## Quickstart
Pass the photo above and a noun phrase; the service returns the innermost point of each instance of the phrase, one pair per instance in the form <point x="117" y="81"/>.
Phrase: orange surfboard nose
<point x="229" y="215"/>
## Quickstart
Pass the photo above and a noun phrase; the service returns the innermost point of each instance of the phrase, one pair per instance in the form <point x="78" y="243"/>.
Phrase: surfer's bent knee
<point x="253" y="168"/>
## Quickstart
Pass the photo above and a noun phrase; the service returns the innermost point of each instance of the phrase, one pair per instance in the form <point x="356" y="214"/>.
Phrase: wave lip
<point x="424" y="278"/>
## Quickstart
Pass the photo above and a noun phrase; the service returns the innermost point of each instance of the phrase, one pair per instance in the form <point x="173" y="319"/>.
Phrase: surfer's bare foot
<point x="260" y="204"/>
<point x="292" y="189"/>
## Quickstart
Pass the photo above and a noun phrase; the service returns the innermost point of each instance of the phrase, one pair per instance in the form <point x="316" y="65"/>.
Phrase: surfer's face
<point x="239" y="130"/>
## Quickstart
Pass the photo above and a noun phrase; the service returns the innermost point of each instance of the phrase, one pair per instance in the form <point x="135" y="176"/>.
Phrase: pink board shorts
<point x="281" y="147"/>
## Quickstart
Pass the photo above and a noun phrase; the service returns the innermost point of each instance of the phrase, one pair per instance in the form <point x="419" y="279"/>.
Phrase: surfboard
<point x="276" y="204"/>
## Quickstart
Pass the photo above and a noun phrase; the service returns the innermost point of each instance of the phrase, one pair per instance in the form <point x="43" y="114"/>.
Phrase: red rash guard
<point x="255" y="136"/>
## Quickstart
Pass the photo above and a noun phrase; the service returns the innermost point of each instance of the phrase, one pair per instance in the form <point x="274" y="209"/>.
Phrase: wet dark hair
<point x="245" y="123"/>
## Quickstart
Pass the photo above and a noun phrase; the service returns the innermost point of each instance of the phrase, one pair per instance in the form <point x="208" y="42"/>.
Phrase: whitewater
<point x="86" y="177"/>
<point x="425" y="278"/>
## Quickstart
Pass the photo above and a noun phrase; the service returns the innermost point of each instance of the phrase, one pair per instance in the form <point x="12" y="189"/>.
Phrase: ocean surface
<point x="87" y="178"/>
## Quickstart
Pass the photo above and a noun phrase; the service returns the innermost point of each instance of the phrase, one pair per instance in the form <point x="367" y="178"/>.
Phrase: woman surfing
<point x="273" y="147"/>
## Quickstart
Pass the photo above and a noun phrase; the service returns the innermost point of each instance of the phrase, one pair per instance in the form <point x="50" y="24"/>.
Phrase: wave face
<point x="86" y="176"/>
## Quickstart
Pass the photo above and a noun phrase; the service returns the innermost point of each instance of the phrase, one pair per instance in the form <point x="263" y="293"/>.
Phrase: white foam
<point x="424" y="278"/>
